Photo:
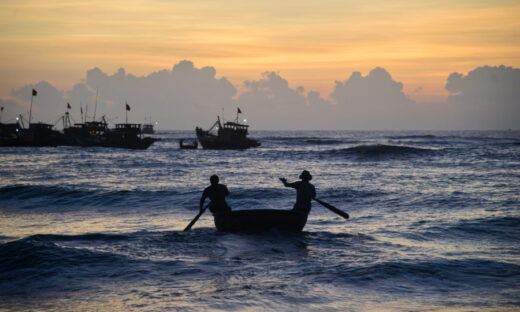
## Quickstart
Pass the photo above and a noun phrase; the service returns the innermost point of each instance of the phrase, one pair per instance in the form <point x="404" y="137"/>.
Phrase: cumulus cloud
<point x="186" y="96"/>
<point x="486" y="98"/>
<point x="272" y="104"/>
<point x="374" y="101"/>
<point x="11" y="110"/>
<point x="178" y="98"/>
<point x="47" y="105"/>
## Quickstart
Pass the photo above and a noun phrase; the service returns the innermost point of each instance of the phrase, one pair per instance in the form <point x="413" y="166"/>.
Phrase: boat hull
<point x="226" y="139"/>
<point x="259" y="220"/>
<point x="211" y="143"/>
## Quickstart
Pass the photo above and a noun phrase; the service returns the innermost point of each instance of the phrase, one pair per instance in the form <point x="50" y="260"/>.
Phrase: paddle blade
<point x="332" y="208"/>
<point x="193" y="222"/>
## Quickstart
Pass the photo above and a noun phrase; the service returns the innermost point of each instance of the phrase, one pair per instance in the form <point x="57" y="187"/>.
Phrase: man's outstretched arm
<point x="284" y="181"/>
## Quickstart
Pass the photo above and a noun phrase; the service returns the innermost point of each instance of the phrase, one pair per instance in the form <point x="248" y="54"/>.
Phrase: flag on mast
<point x="68" y="105"/>
<point x="127" y="107"/>
<point x="239" y="111"/>
<point x="34" y="93"/>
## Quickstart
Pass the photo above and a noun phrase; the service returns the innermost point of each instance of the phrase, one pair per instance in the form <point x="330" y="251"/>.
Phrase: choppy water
<point x="435" y="225"/>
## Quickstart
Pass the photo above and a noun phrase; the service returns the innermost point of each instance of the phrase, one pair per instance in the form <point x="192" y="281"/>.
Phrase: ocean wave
<point x="419" y="136"/>
<point x="381" y="150"/>
<point x="309" y="140"/>
<point x="501" y="229"/>
<point x="448" y="273"/>
<point x="259" y="193"/>
<point x="349" y="194"/>
<point x="498" y="229"/>
<point x="34" y="196"/>
<point x="43" y="255"/>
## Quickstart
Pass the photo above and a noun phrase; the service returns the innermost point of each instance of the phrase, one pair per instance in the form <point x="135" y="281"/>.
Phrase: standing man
<point x="305" y="192"/>
<point x="217" y="193"/>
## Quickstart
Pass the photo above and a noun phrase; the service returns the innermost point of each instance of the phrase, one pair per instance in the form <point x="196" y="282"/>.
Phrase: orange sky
<point x="310" y="43"/>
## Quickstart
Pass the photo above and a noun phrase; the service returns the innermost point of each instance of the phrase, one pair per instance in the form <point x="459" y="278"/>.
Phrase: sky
<point x="352" y="65"/>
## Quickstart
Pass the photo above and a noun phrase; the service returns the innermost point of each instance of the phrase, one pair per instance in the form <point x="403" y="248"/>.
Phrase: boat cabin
<point x="40" y="126"/>
<point x="233" y="128"/>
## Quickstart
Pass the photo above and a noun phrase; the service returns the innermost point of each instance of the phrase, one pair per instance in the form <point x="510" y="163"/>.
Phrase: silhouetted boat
<point x="259" y="220"/>
<point x="127" y="136"/>
<point x="192" y="145"/>
<point x="9" y="133"/>
<point x="89" y="133"/>
<point x="230" y="136"/>
<point x="38" y="134"/>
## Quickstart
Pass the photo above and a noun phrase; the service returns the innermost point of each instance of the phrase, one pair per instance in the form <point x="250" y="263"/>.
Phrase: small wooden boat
<point x="192" y="145"/>
<point x="259" y="220"/>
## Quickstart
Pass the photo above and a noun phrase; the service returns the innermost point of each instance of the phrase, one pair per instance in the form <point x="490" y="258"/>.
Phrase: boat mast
<point x="21" y="121"/>
<point x="33" y="94"/>
<point x="81" y="110"/>
<point x="95" y="107"/>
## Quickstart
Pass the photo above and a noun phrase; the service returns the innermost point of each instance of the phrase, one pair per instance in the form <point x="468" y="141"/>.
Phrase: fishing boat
<point x="127" y="135"/>
<point x="38" y="134"/>
<point x="192" y="145"/>
<point x="9" y="133"/>
<point x="231" y="135"/>
<point x="259" y="220"/>
<point x="89" y="133"/>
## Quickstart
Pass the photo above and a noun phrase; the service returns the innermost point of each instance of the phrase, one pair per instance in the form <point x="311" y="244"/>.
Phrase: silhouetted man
<point x="217" y="193"/>
<point x="305" y="192"/>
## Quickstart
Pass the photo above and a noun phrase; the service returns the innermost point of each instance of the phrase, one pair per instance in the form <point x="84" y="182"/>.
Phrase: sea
<point x="434" y="225"/>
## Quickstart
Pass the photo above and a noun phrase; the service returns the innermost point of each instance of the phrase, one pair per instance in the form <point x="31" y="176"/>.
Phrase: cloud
<point x="186" y="96"/>
<point x="374" y="101"/>
<point x="486" y="98"/>
<point x="11" y="110"/>
<point x="271" y="103"/>
<point x="48" y="105"/>
<point x="179" y="98"/>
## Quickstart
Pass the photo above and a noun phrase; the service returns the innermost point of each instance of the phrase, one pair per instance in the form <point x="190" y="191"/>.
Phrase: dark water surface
<point x="435" y="225"/>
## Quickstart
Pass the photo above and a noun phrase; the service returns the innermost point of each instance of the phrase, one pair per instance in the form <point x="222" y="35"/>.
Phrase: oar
<point x="196" y="218"/>
<point x="332" y="208"/>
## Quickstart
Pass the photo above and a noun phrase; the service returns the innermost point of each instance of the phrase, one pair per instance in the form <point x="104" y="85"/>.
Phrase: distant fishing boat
<point x="89" y="133"/>
<point x="231" y="135"/>
<point x="38" y="134"/>
<point x="9" y="133"/>
<point x="128" y="135"/>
